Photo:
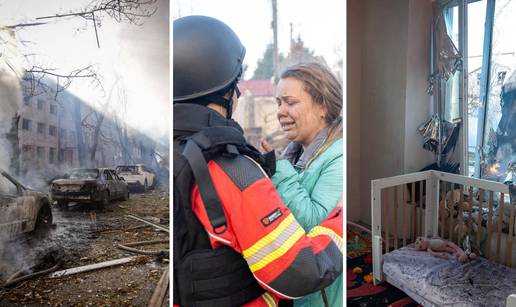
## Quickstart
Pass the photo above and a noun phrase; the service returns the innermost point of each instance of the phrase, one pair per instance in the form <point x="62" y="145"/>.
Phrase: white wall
<point x="388" y="43"/>
<point x="355" y="24"/>
<point x="418" y="106"/>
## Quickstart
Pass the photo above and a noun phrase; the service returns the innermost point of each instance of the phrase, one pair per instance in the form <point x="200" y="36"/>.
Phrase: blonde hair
<point x="325" y="90"/>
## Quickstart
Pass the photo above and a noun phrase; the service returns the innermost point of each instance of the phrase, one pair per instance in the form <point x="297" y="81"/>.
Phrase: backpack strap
<point x="213" y="206"/>
<point x="206" y="145"/>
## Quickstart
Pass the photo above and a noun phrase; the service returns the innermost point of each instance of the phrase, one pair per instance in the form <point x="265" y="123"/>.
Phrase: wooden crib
<point x="433" y="203"/>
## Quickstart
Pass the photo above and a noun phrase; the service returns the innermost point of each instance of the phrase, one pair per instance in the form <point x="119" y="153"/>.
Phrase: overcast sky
<point x="137" y="55"/>
<point x="319" y="23"/>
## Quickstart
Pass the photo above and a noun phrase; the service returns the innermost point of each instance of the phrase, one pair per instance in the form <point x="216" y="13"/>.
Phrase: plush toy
<point x="369" y="278"/>
<point x="463" y="225"/>
<point x="441" y="248"/>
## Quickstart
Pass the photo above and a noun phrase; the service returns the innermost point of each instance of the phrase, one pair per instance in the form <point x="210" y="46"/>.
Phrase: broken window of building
<point x="26" y="153"/>
<point x="41" y="104"/>
<point x="490" y="85"/>
<point x="41" y="128"/>
<point x="52" y="130"/>
<point x="53" y="109"/>
<point x="26" y="123"/>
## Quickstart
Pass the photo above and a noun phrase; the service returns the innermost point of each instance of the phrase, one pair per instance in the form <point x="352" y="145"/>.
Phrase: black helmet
<point x="208" y="57"/>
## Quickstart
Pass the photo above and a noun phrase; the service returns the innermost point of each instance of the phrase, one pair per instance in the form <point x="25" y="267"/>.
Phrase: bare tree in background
<point x="121" y="127"/>
<point x="131" y="11"/>
<point x="96" y="126"/>
<point x="34" y="84"/>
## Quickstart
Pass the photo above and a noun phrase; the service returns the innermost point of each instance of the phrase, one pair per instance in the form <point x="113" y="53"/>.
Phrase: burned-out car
<point x="96" y="186"/>
<point x="137" y="176"/>
<point x="21" y="209"/>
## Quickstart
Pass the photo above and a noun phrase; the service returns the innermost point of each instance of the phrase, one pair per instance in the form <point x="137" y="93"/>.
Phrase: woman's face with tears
<point x="299" y="116"/>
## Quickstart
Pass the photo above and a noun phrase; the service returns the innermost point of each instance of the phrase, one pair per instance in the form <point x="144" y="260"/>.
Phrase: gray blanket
<point x="437" y="282"/>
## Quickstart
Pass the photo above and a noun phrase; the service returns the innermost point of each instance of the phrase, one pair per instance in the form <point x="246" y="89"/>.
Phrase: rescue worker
<point x="235" y="243"/>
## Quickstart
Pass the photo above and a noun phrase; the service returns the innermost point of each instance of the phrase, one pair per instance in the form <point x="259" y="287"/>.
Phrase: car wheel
<point x="104" y="201"/>
<point x="44" y="218"/>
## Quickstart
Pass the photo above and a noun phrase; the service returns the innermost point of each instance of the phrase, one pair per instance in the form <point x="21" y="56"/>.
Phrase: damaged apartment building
<point x="58" y="132"/>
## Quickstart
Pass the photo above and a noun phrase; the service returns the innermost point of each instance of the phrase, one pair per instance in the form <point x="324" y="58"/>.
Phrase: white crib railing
<point x="401" y="211"/>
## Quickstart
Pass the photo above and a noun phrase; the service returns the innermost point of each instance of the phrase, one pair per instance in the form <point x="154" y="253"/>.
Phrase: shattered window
<point x="127" y="169"/>
<point x="451" y="86"/>
<point x="84" y="174"/>
<point x="41" y="128"/>
<point x="499" y="148"/>
<point x="476" y="17"/>
<point x="26" y="152"/>
<point x="26" y="124"/>
<point x="7" y="187"/>
<point x="491" y="87"/>
<point x="107" y="175"/>
<point x="52" y="130"/>
<point x="41" y="104"/>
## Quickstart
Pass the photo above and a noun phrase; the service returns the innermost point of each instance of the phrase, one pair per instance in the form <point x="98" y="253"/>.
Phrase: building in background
<point x="59" y="132"/>
<point x="256" y="113"/>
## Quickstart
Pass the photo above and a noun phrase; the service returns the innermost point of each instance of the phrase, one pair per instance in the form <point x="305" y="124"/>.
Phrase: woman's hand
<point x="266" y="146"/>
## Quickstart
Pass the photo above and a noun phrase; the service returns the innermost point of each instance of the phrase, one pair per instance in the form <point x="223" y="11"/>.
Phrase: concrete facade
<point x="46" y="134"/>
<point x="48" y="137"/>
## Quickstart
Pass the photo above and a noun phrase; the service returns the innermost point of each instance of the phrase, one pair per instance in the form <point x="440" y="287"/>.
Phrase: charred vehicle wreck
<point x="138" y="176"/>
<point x="96" y="186"/>
<point x="22" y="210"/>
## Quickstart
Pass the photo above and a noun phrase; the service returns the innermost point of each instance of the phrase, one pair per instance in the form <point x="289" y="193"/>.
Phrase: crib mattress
<point x="432" y="281"/>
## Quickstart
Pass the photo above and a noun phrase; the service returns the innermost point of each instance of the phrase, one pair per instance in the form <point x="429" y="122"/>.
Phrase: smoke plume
<point x="11" y="71"/>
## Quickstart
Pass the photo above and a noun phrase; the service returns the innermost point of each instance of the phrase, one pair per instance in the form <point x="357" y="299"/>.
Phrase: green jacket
<point x="311" y="195"/>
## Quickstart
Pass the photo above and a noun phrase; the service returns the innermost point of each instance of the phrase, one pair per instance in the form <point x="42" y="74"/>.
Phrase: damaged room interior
<point x="431" y="153"/>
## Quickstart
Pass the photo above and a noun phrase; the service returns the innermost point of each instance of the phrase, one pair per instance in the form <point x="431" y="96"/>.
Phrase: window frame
<point x="26" y="123"/>
<point x="40" y="103"/>
<point x="463" y="87"/>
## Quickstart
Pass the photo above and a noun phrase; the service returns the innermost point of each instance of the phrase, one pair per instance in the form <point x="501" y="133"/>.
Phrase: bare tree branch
<point x="23" y="25"/>
<point x="132" y="11"/>
<point x="35" y="75"/>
